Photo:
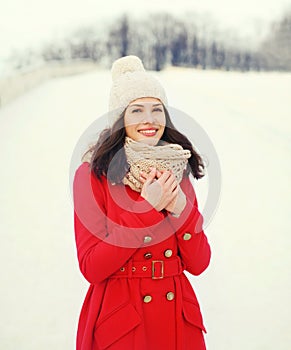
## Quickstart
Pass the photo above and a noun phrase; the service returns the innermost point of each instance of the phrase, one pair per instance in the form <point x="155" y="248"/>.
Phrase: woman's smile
<point x="148" y="132"/>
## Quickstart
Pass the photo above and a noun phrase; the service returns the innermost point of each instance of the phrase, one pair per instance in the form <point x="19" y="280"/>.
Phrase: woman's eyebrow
<point x="137" y="105"/>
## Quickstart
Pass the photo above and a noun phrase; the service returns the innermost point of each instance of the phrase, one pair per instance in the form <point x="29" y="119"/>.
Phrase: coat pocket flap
<point x="116" y="325"/>
<point x="192" y="314"/>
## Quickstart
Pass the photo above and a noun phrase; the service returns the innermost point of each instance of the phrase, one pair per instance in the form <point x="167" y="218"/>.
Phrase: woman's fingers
<point x="150" y="177"/>
<point x="143" y="177"/>
<point x="174" y="185"/>
<point x="159" y="173"/>
<point x="160" y="188"/>
<point x="170" y="183"/>
<point x="166" y="175"/>
<point x="166" y="179"/>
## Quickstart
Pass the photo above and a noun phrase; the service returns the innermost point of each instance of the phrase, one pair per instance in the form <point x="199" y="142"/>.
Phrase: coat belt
<point x="155" y="269"/>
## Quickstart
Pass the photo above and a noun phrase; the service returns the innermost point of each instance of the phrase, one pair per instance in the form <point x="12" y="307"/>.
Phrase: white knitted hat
<point x="130" y="81"/>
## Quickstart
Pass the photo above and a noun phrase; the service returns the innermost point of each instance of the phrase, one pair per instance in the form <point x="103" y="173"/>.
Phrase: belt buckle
<point x="154" y="277"/>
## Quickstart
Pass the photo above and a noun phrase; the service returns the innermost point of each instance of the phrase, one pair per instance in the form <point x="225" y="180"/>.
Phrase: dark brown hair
<point x="110" y="147"/>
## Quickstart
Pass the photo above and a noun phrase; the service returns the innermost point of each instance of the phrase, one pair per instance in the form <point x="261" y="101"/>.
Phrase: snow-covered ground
<point x="16" y="82"/>
<point x="245" y="292"/>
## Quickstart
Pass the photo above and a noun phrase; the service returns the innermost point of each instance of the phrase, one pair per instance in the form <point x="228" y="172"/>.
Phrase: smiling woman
<point x="145" y="120"/>
<point x="137" y="225"/>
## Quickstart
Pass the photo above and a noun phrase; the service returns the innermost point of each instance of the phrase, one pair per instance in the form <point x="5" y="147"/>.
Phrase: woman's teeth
<point x="148" y="132"/>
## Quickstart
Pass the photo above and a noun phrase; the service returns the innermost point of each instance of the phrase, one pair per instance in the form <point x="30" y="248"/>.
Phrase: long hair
<point x="110" y="144"/>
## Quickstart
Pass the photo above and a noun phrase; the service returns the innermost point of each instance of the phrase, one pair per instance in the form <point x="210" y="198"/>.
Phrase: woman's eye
<point x="136" y="110"/>
<point x="157" y="110"/>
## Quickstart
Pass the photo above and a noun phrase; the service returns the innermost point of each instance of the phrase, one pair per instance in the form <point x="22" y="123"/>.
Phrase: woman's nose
<point x="148" y="117"/>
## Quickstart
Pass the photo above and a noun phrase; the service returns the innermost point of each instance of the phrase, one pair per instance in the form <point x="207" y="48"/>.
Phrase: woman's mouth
<point x="148" y="132"/>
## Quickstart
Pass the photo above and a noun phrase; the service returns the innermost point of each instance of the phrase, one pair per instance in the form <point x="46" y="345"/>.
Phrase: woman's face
<point x="145" y="120"/>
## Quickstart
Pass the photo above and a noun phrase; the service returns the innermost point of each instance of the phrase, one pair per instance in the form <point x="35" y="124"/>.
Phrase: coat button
<point x="187" y="236"/>
<point x="147" y="299"/>
<point x="148" y="255"/>
<point x="147" y="239"/>
<point x="168" y="253"/>
<point x="170" y="296"/>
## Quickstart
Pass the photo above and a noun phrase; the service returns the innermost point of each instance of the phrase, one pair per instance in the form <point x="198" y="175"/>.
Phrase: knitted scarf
<point x="141" y="157"/>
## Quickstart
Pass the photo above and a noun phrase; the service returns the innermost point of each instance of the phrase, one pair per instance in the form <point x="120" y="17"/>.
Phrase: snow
<point x="244" y="294"/>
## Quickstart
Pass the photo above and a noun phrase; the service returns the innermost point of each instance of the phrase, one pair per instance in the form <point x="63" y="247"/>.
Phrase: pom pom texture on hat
<point x="126" y="64"/>
<point x="130" y="81"/>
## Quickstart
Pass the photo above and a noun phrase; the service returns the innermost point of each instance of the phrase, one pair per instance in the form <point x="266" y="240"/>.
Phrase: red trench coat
<point x="134" y="257"/>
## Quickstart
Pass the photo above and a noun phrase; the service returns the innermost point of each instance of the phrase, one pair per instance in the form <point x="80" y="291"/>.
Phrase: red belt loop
<point x="129" y="268"/>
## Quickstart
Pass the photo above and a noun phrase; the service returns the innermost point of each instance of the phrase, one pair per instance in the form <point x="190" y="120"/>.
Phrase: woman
<point x="137" y="225"/>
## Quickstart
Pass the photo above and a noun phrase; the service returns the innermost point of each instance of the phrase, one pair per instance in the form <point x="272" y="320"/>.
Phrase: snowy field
<point x="245" y="292"/>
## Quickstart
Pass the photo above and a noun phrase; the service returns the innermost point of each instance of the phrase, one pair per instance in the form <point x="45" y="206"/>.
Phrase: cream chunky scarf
<point x="141" y="157"/>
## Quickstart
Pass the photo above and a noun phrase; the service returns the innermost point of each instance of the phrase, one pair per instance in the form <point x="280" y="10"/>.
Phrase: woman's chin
<point x="151" y="141"/>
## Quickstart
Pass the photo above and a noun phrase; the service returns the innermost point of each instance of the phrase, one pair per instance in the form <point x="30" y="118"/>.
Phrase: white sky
<point x="30" y="22"/>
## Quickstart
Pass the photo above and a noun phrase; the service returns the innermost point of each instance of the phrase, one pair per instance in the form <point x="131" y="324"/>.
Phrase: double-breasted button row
<point x="167" y="253"/>
<point x="147" y="239"/>
<point x="169" y="296"/>
<point x="148" y="255"/>
<point x="187" y="236"/>
<point x="147" y="299"/>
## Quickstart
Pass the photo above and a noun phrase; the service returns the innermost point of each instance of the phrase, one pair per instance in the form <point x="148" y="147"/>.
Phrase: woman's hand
<point x="159" y="189"/>
<point x="178" y="203"/>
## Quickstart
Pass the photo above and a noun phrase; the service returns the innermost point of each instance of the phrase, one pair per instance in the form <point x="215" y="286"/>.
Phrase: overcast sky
<point x="31" y="22"/>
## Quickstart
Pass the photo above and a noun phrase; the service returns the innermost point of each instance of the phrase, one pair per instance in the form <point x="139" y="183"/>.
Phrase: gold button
<point x="168" y="253"/>
<point x="187" y="236"/>
<point x="147" y="299"/>
<point x="170" y="296"/>
<point x="147" y="239"/>
<point x="148" y="255"/>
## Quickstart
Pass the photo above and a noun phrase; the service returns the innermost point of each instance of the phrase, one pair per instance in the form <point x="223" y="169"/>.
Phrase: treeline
<point x="276" y="48"/>
<point x="162" y="39"/>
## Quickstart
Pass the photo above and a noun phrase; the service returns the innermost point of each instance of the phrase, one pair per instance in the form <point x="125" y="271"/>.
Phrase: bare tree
<point x="161" y="27"/>
<point x="118" y="40"/>
<point x="276" y="49"/>
<point x="179" y="45"/>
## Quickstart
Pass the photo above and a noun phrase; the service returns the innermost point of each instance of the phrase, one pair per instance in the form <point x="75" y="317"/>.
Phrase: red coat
<point x="134" y="257"/>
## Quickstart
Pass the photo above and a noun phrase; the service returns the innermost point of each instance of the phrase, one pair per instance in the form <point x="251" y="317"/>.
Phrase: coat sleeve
<point x="98" y="256"/>
<point x="193" y="245"/>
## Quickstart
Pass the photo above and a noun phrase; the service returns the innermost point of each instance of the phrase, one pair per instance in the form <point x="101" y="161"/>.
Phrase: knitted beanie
<point x="130" y="81"/>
